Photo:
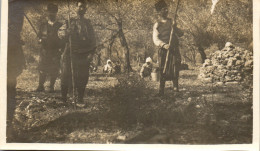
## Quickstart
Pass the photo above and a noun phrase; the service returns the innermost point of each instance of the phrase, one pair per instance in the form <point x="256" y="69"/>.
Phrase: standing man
<point x="161" y="37"/>
<point x="50" y="45"/>
<point x="81" y="42"/>
<point x="15" y="59"/>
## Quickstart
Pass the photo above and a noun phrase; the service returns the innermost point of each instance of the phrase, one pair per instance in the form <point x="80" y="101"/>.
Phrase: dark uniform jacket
<point x="49" y="34"/>
<point x="83" y="39"/>
<point x="50" y="45"/>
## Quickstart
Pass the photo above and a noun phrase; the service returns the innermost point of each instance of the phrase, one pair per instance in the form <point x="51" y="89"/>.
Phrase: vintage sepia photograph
<point x="130" y="72"/>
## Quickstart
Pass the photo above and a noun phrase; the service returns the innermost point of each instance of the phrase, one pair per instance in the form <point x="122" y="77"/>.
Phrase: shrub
<point x="125" y="99"/>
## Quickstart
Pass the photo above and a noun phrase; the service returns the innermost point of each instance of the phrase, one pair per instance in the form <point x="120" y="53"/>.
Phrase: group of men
<point x="70" y="47"/>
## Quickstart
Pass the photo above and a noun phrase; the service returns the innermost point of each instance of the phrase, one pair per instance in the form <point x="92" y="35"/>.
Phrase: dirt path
<point x="121" y="109"/>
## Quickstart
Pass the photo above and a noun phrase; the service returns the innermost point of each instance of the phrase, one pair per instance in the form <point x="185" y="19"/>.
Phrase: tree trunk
<point x="202" y="54"/>
<point x="99" y="59"/>
<point x="110" y="47"/>
<point x="127" y="65"/>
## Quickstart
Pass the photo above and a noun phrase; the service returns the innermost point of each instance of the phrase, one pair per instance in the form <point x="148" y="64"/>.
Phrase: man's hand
<point x="166" y="46"/>
<point x="90" y="57"/>
<point x="69" y="31"/>
<point x="174" y="24"/>
<point x="40" y="40"/>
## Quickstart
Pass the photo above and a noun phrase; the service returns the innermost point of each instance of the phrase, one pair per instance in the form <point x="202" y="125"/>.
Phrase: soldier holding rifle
<point x="50" y="45"/>
<point x="165" y="36"/>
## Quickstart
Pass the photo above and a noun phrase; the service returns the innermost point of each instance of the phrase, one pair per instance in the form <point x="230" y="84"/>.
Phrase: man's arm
<point x="62" y="32"/>
<point x="92" y="37"/>
<point x="142" y="71"/>
<point x="156" y="38"/>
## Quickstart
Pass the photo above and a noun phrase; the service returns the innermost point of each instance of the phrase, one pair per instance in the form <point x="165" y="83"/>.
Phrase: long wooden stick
<point x="170" y="41"/>
<point x="71" y="63"/>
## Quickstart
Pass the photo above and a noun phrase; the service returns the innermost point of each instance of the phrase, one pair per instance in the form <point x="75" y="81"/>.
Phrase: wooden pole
<point x="74" y="101"/>
<point x="170" y="41"/>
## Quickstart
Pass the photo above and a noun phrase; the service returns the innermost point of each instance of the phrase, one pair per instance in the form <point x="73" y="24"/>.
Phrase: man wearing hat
<point x="50" y="45"/>
<point x="161" y="36"/>
<point x="81" y="42"/>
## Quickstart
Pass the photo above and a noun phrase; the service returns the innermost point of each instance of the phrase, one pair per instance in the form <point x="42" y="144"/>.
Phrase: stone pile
<point x="229" y="65"/>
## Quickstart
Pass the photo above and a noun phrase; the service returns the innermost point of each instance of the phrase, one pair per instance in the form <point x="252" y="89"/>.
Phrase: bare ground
<point x="123" y="111"/>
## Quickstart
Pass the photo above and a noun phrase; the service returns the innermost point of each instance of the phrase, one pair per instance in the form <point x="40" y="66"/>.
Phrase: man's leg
<point x="175" y="80"/>
<point x="162" y="85"/>
<point x="53" y="78"/>
<point x="82" y="77"/>
<point x="54" y="72"/>
<point x="42" y="78"/>
<point x="11" y="103"/>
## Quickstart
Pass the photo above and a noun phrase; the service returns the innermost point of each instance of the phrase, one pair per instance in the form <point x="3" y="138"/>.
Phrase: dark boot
<point x="161" y="88"/>
<point x="176" y="85"/>
<point x="64" y="91"/>
<point x="42" y="78"/>
<point x="52" y="82"/>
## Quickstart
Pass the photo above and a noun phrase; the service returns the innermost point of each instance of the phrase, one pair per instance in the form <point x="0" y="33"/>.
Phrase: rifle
<point x="31" y="25"/>
<point x="171" y="40"/>
<point x="71" y="62"/>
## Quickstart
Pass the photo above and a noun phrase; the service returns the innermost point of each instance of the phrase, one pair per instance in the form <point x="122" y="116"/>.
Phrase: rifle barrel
<point x="31" y="25"/>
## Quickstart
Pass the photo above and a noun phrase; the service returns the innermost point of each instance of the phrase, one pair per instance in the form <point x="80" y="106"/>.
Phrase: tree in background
<point x="124" y="28"/>
<point x="231" y="21"/>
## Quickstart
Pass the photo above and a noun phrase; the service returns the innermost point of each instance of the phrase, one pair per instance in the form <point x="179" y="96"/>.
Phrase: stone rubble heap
<point x="229" y="65"/>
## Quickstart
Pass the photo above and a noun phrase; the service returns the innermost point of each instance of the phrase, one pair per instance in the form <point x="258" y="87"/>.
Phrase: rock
<point x="206" y="63"/>
<point x="239" y="62"/>
<point x="238" y="78"/>
<point x="220" y="83"/>
<point x="228" y="78"/>
<point x="197" y="106"/>
<point x="225" y="62"/>
<point x="121" y="138"/>
<point x="223" y="123"/>
<point x="232" y="83"/>
<point x="249" y="63"/>
<point x="246" y="118"/>
<point x="237" y="56"/>
<point x="207" y="80"/>
<point x="227" y="65"/>
<point x="231" y="62"/>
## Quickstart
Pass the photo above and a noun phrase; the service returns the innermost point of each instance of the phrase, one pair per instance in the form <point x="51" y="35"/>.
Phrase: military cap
<point x="52" y="8"/>
<point x="160" y="5"/>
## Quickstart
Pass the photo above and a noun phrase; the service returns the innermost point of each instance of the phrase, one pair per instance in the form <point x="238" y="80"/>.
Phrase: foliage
<point x="125" y="99"/>
<point x="231" y="21"/>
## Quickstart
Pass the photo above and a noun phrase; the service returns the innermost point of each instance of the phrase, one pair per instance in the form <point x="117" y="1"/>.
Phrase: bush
<point x="125" y="99"/>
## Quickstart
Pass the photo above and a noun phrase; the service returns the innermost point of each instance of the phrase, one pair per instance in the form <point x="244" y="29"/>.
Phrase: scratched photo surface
<point x="130" y="71"/>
